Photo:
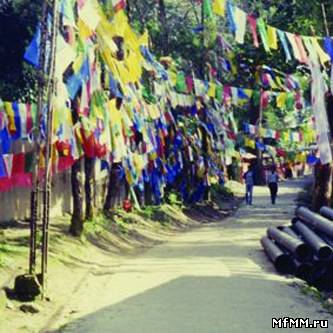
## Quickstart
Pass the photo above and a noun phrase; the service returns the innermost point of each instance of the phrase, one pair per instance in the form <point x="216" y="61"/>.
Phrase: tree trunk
<point x="323" y="186"/>
<point x="89" y="164"/>
<point x="258" y="164"/>
<point x="76" y="226"/>
<point x="114" y="187"/>
<point x="164" y="27"/>
<point x="322" y="194"/>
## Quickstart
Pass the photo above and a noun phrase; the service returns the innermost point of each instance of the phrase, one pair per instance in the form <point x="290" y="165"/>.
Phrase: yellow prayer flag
<point x="84" y="31"/>
<point x="324" y="57"/>
<point x="212" y="90"/>
<point x="250" y="143"/>
<point x="138" y="163"/>
<point x="218" y="7"/>
<point x="272" y="37"/>
<point x="279" y="81"/>
<point x="153" y="111"/>
<point x="248" y="92"/>
<point x="281" y="100"/>
<point x="173" y="77"/>
<point x="11" y="116"/>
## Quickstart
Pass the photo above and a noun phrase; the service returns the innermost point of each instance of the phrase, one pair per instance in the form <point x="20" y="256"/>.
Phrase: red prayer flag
<point x="253" y="25"/>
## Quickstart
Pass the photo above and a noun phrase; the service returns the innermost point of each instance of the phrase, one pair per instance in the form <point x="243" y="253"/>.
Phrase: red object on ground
<point x="127" y="206"/>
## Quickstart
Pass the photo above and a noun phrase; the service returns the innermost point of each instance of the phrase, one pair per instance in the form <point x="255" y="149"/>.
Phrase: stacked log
<point x="304" y="248"/>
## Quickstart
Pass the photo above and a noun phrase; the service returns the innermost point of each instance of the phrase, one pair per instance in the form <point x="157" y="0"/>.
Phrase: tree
<point x="18" y="21"/>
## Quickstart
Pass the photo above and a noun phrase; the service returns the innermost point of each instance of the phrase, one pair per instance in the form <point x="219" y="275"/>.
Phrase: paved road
<point x="214" y="279"/>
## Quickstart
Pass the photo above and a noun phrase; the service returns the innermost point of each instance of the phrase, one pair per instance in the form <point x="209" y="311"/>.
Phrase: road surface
<point x="215" y="279"/>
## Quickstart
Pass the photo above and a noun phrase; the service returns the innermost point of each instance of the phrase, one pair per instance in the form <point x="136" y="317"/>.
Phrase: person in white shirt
<point x="272" y="182"/>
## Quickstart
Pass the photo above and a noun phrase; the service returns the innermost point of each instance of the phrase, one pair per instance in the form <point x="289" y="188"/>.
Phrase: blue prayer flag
<point x="328" y="45"/>
<point x="3" y="172"/>
<point x="33" y="51"/>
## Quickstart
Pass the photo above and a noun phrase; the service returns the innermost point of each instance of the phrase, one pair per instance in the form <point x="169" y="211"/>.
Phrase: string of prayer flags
<point x="269" y="36"/>
<point x="122" y="118"/>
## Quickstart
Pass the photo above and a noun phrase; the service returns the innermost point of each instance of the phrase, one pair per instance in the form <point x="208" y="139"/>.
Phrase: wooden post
<point x="49" y="142"/>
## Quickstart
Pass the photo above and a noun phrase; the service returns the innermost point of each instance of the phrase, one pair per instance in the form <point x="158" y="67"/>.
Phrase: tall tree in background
<point x="18" y="21"/>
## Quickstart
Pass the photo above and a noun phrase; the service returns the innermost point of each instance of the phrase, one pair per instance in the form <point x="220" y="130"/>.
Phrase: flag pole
<point x="49" y="143"/>
<point x="325" y="19"/>
<point x="35" y="192"/>
<point x="203" y="39"/>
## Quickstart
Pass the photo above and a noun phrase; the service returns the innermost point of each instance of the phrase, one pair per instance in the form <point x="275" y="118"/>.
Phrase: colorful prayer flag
<point x="218" y="7"/>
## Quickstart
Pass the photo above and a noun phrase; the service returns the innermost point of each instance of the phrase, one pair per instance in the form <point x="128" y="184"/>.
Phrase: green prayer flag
<point x="207" y="8"/>
<point x="219" y="90"/>
<point x="181" y="83"/>
<point x="263" y="33"/>
<point x="290" y="101"/>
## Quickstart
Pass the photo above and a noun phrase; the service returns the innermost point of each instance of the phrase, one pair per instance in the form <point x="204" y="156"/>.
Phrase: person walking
<point x="272" y="181"/>
<point x="249" y="183"/>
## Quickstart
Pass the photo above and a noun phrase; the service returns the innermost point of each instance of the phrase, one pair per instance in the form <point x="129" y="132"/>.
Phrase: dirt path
<point x="214" y="279"/>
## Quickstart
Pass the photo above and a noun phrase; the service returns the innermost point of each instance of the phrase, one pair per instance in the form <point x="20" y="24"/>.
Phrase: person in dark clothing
<point x="249" y="183"/>
<point x="272" y="181"/>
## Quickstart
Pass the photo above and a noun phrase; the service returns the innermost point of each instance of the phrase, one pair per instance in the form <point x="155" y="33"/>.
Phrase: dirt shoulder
<point x="105" y="244"/>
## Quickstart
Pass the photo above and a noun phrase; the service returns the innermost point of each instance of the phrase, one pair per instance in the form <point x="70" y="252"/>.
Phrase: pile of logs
<point x="305" y="248"/>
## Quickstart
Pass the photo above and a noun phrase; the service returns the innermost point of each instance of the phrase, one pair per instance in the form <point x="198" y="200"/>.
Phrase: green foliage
<point x="18" y="21"/>
<point x="174" y="199"/>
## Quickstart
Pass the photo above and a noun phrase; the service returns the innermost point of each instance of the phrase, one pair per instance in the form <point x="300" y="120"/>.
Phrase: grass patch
<point x="6" y="251"/>
<point x="117" y="222"/>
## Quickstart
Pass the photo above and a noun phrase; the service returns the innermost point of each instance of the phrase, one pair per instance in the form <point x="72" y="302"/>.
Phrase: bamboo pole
<point x="325" y="19"/>
<point x="203" y="55"/>
<point x="49" y="144"/>
<point x="34" y="197"/>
